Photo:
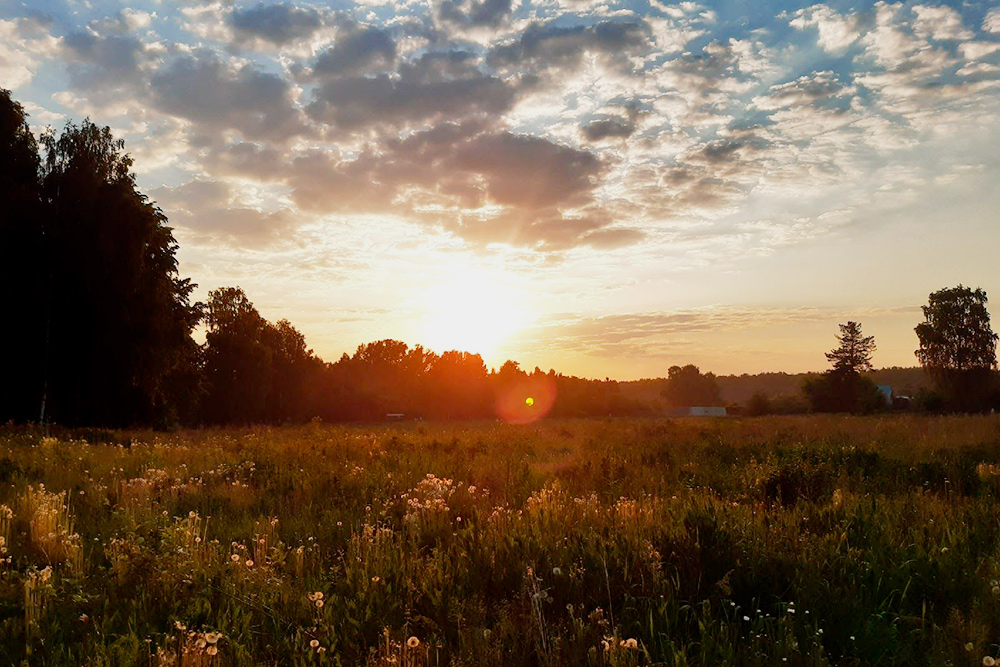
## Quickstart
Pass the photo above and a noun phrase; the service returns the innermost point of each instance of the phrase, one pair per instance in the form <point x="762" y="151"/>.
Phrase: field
<point x="801" y="541"/>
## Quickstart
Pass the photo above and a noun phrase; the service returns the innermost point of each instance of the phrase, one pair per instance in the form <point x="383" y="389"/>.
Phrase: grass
<point x="802" y="541"/>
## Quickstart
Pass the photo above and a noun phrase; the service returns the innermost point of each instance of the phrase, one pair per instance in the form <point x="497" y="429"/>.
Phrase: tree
<point x="238" y="361"/>
<point x="958" y="346"/>
<point x="104" y="320"/>
<point x="22" y="282"/>
<point x="843" y="388"/>
<point x="854" y="354"/>
<point x="686" y="387"/>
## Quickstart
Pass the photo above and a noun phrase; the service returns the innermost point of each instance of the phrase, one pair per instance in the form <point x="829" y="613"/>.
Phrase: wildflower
<point x="212" y="650"/>
<point x="556" y="572"/>
<point x="314" y="643"/>
<point x="235" y="558"/>
<point x="995" y="590"/>
<point x="631" y="644"/>
<point x="319" y="604"/>
<point x="376" y="579"/>
<point x="249" y="563"/>
<point x="412" y="642"/>
<point x="969" y="647"/>
<point x="988" y="661"/>
<point x="213" y="637"/>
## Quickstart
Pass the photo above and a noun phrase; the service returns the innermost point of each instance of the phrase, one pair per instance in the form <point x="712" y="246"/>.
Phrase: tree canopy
<point x="104" y="329"/>
<point x="958" y="346"/>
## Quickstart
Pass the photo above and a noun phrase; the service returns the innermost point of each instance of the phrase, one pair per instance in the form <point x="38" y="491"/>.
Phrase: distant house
<point x="395" y="416"/>
<point x="698" y="411"/>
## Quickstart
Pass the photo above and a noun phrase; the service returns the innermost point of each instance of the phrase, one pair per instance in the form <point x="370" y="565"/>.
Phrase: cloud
<point x="435" y="86"/>
<point x="278" y="24"/>
<point x="940" y="23"/>
<point x="104" y="62"/>
<point x="472" y="13"/>
<point x="548" y="47"/>
<point x="218" y="95"/>
<point x="208" y="211"/>
<point x="837" y="32"/>
<point x="478" y="183"/>
<point x="816" y="89"/>
<point x="659" y="334"/>
<point x="991" y="22"/>
<point x="24" y="45"/>
<point x="613" y="127"/>
<point x="358" y="52"/>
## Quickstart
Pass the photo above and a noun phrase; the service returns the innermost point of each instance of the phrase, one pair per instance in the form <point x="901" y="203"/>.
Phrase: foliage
<point x="958" y="346"/>
<point x="854" y="353"/>
<point x="820" y="540"/>
<point x="687" y="386"/>
<point x="105" y="333"/>
<point x="842" y="388"/>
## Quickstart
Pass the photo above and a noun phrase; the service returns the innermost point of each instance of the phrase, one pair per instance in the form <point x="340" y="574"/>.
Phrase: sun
<point x="472" y="310"/>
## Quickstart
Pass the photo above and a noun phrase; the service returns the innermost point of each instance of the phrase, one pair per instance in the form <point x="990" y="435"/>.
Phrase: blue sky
<point x="607" y="188"/>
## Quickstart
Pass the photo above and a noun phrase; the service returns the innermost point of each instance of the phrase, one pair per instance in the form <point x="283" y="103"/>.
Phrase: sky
<point x="603" y="187"/>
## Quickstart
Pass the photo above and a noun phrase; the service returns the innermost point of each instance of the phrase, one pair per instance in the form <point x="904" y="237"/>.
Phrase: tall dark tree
<point x="958" y="346"/>
<point x="101" y="320"/>
<point x="843" y="388"/>
<point x="120" y="316"/>
<point x="686" y="386"/>
<point x="854" y="353"/>
<point x="22" y="264"/>
<point x="238" y="372"/>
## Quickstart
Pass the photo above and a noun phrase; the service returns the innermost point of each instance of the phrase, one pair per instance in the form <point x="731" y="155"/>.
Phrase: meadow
<point x="787" y="540"/>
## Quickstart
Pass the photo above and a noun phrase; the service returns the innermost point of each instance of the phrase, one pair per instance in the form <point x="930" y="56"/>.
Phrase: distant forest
<point x="737" y="390"/>
<point x="99" y="328"/>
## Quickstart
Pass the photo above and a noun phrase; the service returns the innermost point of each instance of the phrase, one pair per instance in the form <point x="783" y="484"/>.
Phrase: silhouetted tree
<point x="294" y="371"/>
<point x="854" y="354"/>
<point x="843" y="388"/>
<point x="23" y="272"/>
<point x="457" y="386"/>
<point x="686" y="386"/>
<point x="116" y="344"/>
<point x="958" y="346"/>
<point x="238" y="371"/>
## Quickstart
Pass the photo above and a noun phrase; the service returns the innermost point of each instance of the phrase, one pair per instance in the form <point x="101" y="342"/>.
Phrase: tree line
<point x="99" y="322"/>
<point x="99" y="327"/>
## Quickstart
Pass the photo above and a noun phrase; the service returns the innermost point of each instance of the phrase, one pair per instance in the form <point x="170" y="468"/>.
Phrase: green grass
<point x="801" y="541"/>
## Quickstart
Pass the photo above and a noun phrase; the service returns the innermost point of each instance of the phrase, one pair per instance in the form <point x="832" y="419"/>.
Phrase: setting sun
<point x="473" y="311"/>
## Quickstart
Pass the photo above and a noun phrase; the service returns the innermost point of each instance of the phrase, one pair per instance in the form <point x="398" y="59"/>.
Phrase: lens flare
<point x="526" y="400"/>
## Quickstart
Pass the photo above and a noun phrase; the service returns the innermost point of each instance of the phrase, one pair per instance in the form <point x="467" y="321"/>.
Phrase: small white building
<point x="698" y="411"/>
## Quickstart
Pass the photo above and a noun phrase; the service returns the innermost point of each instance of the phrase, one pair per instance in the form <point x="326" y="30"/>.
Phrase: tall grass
<point x="815" y="540"/>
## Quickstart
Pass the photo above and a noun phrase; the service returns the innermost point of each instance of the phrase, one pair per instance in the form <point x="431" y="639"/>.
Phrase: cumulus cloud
<point x="219" y="95"/>
<point x="278" y="24"/>
<point x="103" y="62"/>
<point x="940" y="23"/>
<point x="357" y="52"/>
<point x="473" y="13"/>
<point x="24" y="44"/>
<point x="209" y="211"/>
<point x="837" y="32"/>
<point x="435" y="86"/>
<point x="544" y="47"/>
<point x="991" y="22"/>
